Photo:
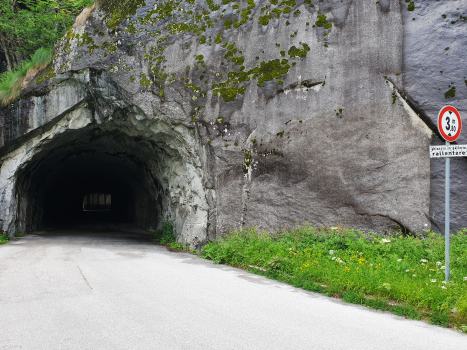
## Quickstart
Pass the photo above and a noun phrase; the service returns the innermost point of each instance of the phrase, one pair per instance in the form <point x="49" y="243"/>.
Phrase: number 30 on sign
<point x="449" y="123"/>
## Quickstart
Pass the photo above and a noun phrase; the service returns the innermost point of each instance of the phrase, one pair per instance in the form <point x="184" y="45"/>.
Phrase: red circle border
<point x="440" y="125"/>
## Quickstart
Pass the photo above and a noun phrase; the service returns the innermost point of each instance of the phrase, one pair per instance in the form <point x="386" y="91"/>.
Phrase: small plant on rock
<point x="167" y="235"/>
<point x="4" y="237"/>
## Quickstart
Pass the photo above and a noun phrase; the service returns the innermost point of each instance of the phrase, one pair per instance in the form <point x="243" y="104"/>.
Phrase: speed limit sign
<point x="449" y="123"/>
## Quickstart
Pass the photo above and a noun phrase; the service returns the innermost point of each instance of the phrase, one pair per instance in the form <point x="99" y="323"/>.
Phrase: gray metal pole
<point x="446" y="222"/>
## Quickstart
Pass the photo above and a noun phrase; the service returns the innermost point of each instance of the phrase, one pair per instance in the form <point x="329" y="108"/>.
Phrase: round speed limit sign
<point x="449" y="123"/>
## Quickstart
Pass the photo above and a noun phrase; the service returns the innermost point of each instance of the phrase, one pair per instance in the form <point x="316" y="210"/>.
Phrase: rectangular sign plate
<point x="448" y="151"/>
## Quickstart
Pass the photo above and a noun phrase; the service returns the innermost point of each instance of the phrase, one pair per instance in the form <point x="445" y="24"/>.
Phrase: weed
<point x="377" y="304"/>
<point x="440" y="318"/>
<point x="353" y="297"/>
<point x="19" y="234"/>
<point x="167" y="235"/>
<point x="4" y="237"/>
<point x="406" y="311"/>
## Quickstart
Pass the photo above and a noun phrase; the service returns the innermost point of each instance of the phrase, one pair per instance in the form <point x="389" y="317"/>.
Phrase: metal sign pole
<point x="446" y="220"/>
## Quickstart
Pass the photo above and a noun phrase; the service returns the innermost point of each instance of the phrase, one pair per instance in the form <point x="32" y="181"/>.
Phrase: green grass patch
<point x="167" y="237"/>
<point x="4" y="237"/>
<point x="12" y="82"/>
<point x="403" y="274"/>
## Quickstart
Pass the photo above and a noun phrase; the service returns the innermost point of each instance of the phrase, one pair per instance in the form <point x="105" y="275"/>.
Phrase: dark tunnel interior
<point x="51" y="188"/>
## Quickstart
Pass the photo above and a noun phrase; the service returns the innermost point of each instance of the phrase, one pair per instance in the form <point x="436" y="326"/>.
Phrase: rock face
<point x="221" y="114"/>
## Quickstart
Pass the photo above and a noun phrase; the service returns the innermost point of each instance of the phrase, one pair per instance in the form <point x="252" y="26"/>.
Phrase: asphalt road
<point x="117" y="290"/>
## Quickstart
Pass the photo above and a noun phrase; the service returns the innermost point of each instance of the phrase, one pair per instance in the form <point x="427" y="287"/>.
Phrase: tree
<point x="27" y="25"/>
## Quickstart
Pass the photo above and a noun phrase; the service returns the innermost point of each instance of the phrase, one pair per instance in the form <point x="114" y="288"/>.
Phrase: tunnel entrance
<point x="145" y="152"/>
<point x="131" y="171"/>
<point x="91" y="177"/>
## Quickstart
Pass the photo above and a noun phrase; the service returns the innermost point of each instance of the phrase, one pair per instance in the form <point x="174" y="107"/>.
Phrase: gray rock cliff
<point x="222" y="114"/>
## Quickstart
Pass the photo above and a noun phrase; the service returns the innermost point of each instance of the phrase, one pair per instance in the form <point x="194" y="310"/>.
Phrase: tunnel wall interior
<point x="52" y="186"/>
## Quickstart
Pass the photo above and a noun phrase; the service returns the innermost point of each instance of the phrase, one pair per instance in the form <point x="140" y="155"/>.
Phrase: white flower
<point x="465" y="278"/>
<point x="371" y="264"/>
<point x="454" y="309"/>
<point x="433" y="280"/>
<point x="443" y="287"/>
<point x="384" y="240"/>
<point x="444" y="282"/>
<point x="439" y="263"/>
<point x="414" y="275"/>
<point x="399" y="260"/>
<point x="333" y="258"/>
<point x="334" y="228"/>
<point x="423" y="260"/>
<point x="443" y="267"/>
<point x="407" y="270"/>
<point x="331" y="252"/>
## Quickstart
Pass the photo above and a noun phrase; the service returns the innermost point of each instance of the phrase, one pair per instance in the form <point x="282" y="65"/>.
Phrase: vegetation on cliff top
<point x="12" y="82"/>
<point x="29" y="29"/>
<point x="27" y="25"/>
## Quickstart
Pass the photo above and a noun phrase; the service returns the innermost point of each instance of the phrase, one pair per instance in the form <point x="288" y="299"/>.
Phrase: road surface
<point x="117" y="290"/>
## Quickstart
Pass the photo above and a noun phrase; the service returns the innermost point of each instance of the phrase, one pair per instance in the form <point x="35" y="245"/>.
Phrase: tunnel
<point x="97" y="176"/>
<point x="53" y="186"/>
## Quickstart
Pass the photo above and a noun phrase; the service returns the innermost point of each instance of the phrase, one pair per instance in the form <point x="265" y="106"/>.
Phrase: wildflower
<point x="414" y="275"/>
<point x="407" y="270"/>
<point x="399" y="260"/>
<point x="333" y="258"/>
<point x="454" y="309"/>
<point x="331" y="252"/>
<point x="433" y="280"/>
<point x="438" y="263"/>
<point x="443" y="287"/>
<point x="443" y="267"/>
<point x="384" y="240"/>
<point x="423" y="260"/>
<point x="334" y="228"/>
<point x="444" y="282"/>
<point x="465" y="278"/>
<point x="423" y="264"/>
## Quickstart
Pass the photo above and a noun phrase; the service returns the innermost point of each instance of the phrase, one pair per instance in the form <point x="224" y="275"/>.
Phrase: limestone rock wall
<point x="264" y="112"/>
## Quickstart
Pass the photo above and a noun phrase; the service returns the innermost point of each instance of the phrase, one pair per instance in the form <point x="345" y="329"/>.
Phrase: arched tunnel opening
<point x="130" y="169"/>
<point x="52" y="187"/>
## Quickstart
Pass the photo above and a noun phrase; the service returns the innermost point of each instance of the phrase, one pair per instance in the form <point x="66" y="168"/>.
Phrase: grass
<point x="403" y="274"/>
<point x="12" y="82"/>
<point x="4" y="237"/>
<point x="167" y="237"/>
